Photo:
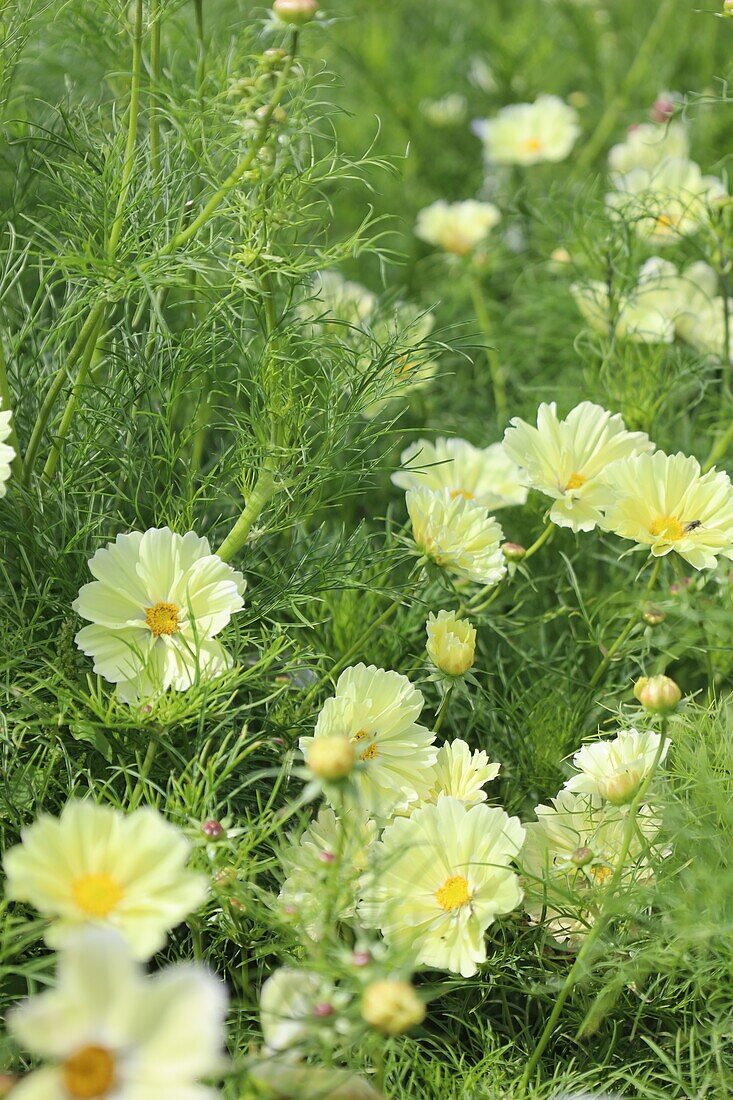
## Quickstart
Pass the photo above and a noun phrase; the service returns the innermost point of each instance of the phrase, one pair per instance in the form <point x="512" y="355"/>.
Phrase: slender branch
<point x="155" y="74"/>
<point x="633" y="621"/>
<point x="492" y="356"/>
<point x="260" y="496"/>
<point x="86" y="360"/>
<point x="443" y="709"/>
<point x="129" y="162"/>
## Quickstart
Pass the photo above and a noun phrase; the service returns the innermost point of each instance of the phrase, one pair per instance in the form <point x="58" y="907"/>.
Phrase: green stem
<point x="492" y="356"/>
<point x="155" y="73"/>
<point x="720" y="447"/>
<point x="144" y="773"/>
<point x="645" y="56"/>
<point x="633" y="621"/>
<point x="602" y="919"/>
<point x="129" y="162"/>
<point x="443" y="709"/>
<point x="6" y="404"/>
<point x="539" y="542"/>
<point x="55" y="453"/>
<point x="260" y="496"/>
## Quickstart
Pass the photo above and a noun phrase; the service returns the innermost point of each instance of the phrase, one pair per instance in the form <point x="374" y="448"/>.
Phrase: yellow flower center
<point x="455" y="493"/>
<point x="453" y="893"/>
<point x="532" y="145"/>
<point x="96" y="895"/>
<point x="372" y="751"/>
<point x="667" y="527"/>
<point x="576" y="481"/>
<point x="89" y="1073"/>
<point x="162" y="618"/>
<point x="601" y="874"/>
<point x="666" y="221"/>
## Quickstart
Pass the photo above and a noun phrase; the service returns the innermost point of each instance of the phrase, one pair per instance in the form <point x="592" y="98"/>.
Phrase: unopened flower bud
<point x="392" y="1006"/>
<point x="662" y="109"/>
<point x="323" y="1010"/>
<point x="653" y="616"/>
<point x="361" y="958"/>
<point x="331" y="758"/>
<point x="578" y="99"/>
<point x="513" y="551"/>
<point x="659" y="694"/>
<point x="274" y="58"/>
<point x="295" y="12"/>
<point x="620" y="788"/>
<point x="212" y="829"/>
<point x="451" y="643"/>
<point x="581" y="856"/>
<point x="559" y="257"/>
<point x="327" y="857"/>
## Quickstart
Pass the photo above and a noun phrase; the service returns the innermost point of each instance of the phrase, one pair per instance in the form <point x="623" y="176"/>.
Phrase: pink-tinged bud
<point x="322" y="1010"/>
<point x="289" y="910"/>
<point x="659" y="694"/>
<point x="295" y="12"/>
<point x="512" y="551"/>
<point x="326" y="857"/>
<point x="361" y="958"/>
<point x="581" y="856"/>
<point x="653" y="616"/>
<point x="213" y="829"/>
<point x="662" y="109"/>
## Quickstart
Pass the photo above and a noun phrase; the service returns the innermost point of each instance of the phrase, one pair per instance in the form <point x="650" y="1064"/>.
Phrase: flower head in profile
<point x="665" y="203"/>
<point x="457" y="227"/>
<point x="7" y="453"/>
<point x="378" y="711"/>
<point x="570" y="856"/>
<point x="567" y="459"/>
<point x="322" y="869"/>
<point x="664" y="503"/>
<point x="457" y="534"/>
<point x="485" y="475"/>
<point x="97" y="865"/>
<point x="460" y="773"/>
<point x="439" y="878"/>
<point x="156" y="604"/>
<point x="109" y="1030"/>
<point x="647" y="145"/>
<point x="530" y="133"/>
<point x="615" y="769"/>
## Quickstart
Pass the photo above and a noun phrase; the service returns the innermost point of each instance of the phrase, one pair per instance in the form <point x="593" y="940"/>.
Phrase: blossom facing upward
<point x="457" y="227"/>
<point x="451" y="643"/>
<point x="110" y="1030"/>
<point x="7" y="453"/>
<point x="567" y="459"/>
<point x="530" y="133"/>
<point x="457" y="534"/>
<point x="97" y="865"/>
<point x="439" y="878"/>
<point x="665" y="502"/>
<point x="616" y="769"/>
<point x="647" y="145"/>
<point x="156" y="604"/>
<point x="667" y="202"/>
<point x="570" y="856"/>
<point x="485" y="475"/>
<point x="378" y="711"/>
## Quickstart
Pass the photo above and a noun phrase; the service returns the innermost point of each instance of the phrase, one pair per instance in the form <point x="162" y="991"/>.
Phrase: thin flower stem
<point x="260" y="496"/>
<point x="632" y="622"/>
<point x="144" y="773"/>
<point x="443" y="709"/>
<point x="86" y="360"/>
<point x="603" y="917"/>
<point x="492" y="356"/>
<point x="539" y="542"/>
<point x="495" y="590"/>
<point x="6" y="403"/>
<point x="155" y="73"/>
<point x="645" y="56"/>
<point x="129" y="162"/>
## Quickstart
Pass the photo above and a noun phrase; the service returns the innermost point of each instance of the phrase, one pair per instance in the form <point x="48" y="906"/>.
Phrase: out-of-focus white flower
<point x="292" y="1002"/>
<point x="334" y="298"/>
<point x="570" y="856"/>
<point x="457" y="534"/>
<point x="616" y="769"/>
<point x="567" y="459"/>
<point x="484" y="474"/>
<point x="7" y="453"/>
<point x="97" y="865"/>
<point x="647" y="145"/>
<point x="665" y="502"/>
<point x="449" y="110"/>
<point x="156" y="604"/>
<point x="378" y="711"/>
<point x="439" y="878"/>
<point x="645" y="313"/>
<point x="109" y="1030"/>
<point x="667" y="202"/>
<point x="530" y="133"/>
<point x="457" y="227"/>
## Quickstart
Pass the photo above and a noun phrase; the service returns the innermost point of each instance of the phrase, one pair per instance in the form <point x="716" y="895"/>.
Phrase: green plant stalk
<point x="86" y="360"/>
<point x="129" y="162"/>
<point x="443" y="709"/>
<point x="492" y="357"/>
<point x="607" y="123"/>
<point x="7" y="406"/>
<point x="155" y="72"/>
<point x="493" y="591"/>
<point x="632" y="622"/>
<point x="602" y="919"/>
<point x="260" y="496"/>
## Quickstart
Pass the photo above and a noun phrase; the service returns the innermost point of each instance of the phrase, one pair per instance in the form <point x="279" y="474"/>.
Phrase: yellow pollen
<point x="667" y="527"/>
<point x="455" y="493"/>
<point x="532" y="145"/>
<point x="601" y="874"/>
<point x="96" y="895"/>
<point x="370" y="753"/>
<point x="453" y="893"/>
<point x="89" y="1073"/>
<point x="576" y="481"/>
<point x="162" y="618"/>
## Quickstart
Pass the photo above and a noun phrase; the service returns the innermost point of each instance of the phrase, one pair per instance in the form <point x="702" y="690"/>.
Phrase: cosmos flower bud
<point x="653" y="616"/>
<point x="323" y="1009"/>
<point x="513" y="551"/>
<point x="582" y="856"/>
<point x="659" y="694"/>
<point x="620" y="788"/>
<point x="451" y="643"/>
<point x="331" y="758"/>
<point x="295" y="12"/>
<point x="212" y="829"/>
<point x="392" y="1006"/>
